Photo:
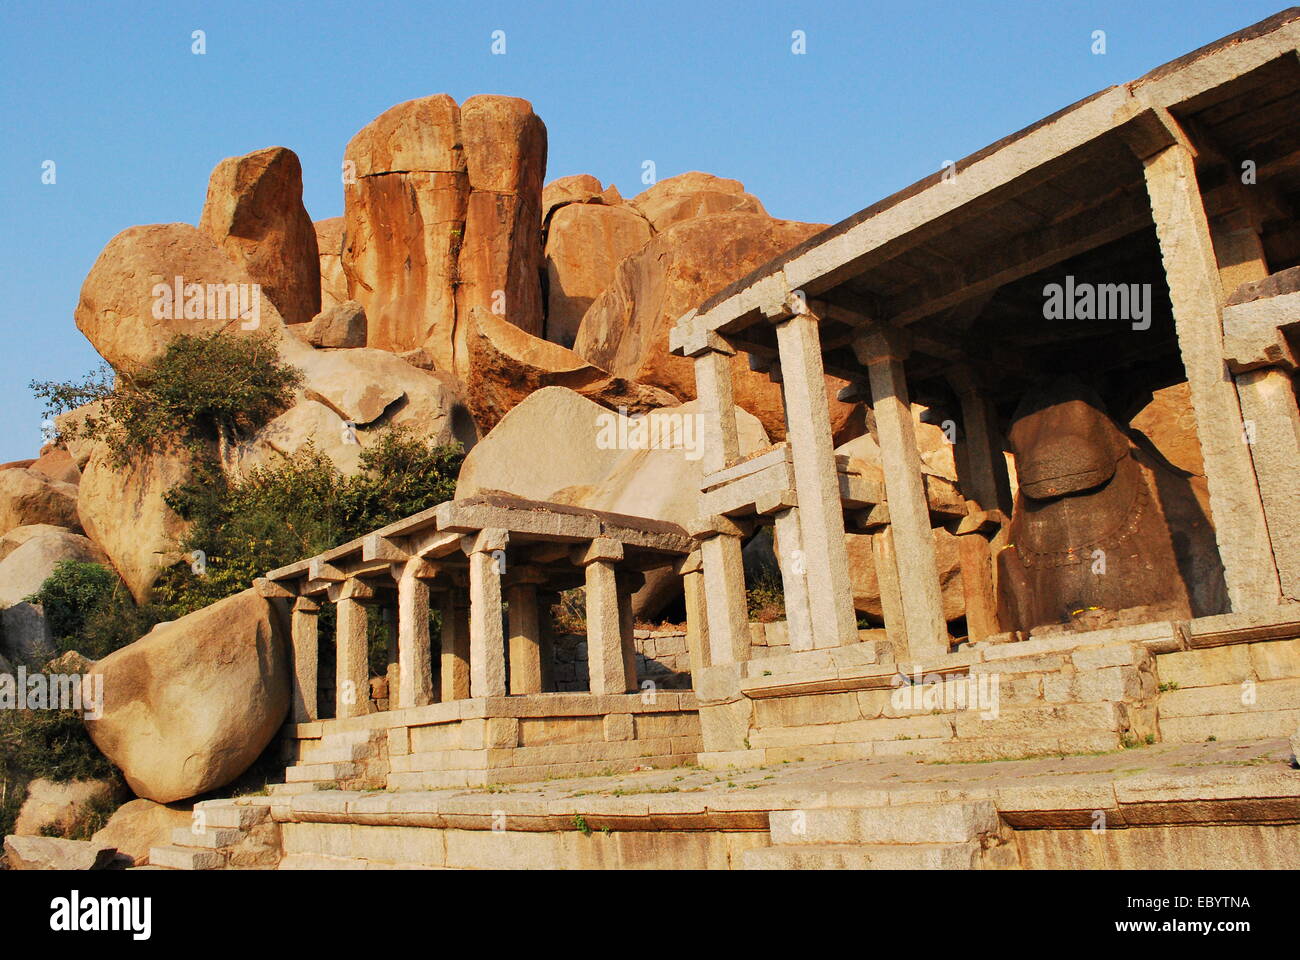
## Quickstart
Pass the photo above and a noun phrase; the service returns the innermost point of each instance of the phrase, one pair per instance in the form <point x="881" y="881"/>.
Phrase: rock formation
<point x="191" y="704"/>
<point x="333" y="281"/>
<point x="254" y="213"/>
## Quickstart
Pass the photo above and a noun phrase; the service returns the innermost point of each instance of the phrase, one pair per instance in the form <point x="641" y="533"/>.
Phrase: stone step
<point x="319" y="861"/>
<point x="186" y="858"/>
<point x="304" y="786"/>
<point x="322" y="771"/>
<point x="338" y="753"/>
<point x="867" y="856"/>
<point x="227" y="814"/>
<point x="212" y="838"/>
<point x="912" y="823"/>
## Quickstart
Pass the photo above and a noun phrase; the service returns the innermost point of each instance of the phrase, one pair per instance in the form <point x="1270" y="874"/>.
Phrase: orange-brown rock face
<point x="254" y="213"/>
<point x="405" y="195"/>
<point x="690" y="195"/>
<point x="625" y="331"/>
<point x="443" y="213"/>
<point x="500" y="262"/>
<point x="505" y="365"/>
<point x="128" y="316"/>
<point x="333" y="282"/>
<point x="584" y="244"/>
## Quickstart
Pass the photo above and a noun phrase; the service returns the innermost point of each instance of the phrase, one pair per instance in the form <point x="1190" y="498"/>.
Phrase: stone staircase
<point x="345" y="760"/>
<point x="967" y="835"/>
<point x="230" y="835"/>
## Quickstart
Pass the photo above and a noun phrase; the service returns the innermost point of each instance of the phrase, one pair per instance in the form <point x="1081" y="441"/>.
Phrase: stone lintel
<point x="273" y="589"/>
<point x="375" y="547"/>
<point x="305" y="605"/>
<point x="318" y="569"/>
<point x="775" y="501"/>
<point x="485" y="541"/>
<point x="353" y="589"/>
<point x="716" y="525"/>
<point x="600" y="549"/>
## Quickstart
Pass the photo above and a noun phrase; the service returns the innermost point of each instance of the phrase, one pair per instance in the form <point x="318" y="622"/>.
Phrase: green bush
<point x="89" y="609"/>
<point x="200" y="390"/>
<point x="273" y="515"/>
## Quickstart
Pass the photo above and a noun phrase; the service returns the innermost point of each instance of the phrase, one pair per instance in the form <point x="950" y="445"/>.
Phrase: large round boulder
<point x="189" y="706"/>
<point x="28" y="496"/>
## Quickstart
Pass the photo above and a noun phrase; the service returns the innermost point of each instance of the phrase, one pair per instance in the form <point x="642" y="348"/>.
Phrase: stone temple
<point x="1030" y="299"/>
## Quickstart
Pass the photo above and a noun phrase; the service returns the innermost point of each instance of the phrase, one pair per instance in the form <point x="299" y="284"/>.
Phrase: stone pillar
<point x="547" y="600"/>
<point x="1272" y="422"/>
<point x="306" y="658"/>
<point x="487" y="651"/>
<point x="793" y="563"/>
<point x="525" y="636"/>
<point x="414" y="658"/>
<point x="724" y="588"/>
<point x="891" y="591"/>
<point x="628" y="583"/>
<point x="981" y="461"/>
<point x="697" y="617"/>
<point x="352" y="655"/>
<point x="816" y="481"/>
<point x="974" y="534"/>
<point x="1191" y="271"/>
<point x="882" y="351"/>
<point x="605" y="657"/>
<point x="717" y="413"/>
<point x="455" y="647"/>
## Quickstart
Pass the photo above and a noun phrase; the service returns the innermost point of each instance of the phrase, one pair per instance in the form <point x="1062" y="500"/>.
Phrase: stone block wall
<point x="1234" y="692"/>
<point x="661" y="657"/>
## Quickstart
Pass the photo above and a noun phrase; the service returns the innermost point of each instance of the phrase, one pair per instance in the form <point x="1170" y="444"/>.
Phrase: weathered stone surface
<point x="59" y="805"/>
<point x="191" y="704"/>
<point x="694" y="194"/>
<point x="140" y="824"/>
<point x="329" y="244"/>
<point x="626" y="329"/>
<point x="117" y="305"/>
<point x="254" y="213"/>
<point x="584" y="244"/>
<point x="1169" y="422"/>
<point x="500" y="263"/>
<point x="57" y="463"/>
<point x="306" y="422"/>
<point x="341" y="325"/>
<point x="506" y="365"/>
<point x="443" y="216"/>
<point x="30" y="497"/>
<point x="404" y="224"/>
<point x="53" y="853"/>
<point x="124" y="513"/>
<point x="373" y="387"/>
<point x="579" y="188"/>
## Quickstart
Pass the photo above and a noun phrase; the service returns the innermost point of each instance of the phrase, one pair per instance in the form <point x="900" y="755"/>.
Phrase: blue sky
<point x="884" y="95"/>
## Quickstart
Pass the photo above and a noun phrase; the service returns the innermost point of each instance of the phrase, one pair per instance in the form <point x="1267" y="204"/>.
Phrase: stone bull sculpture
<point x="1104" y="530"/>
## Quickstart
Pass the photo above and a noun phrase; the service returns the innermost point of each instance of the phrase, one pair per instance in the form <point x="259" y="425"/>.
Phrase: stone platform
<point x="1192" y="806"/>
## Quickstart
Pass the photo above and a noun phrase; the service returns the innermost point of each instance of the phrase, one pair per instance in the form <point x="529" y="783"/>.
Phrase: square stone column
<point x="882" y="350"/>
<point x="547" y="600"/>
<point x="1272" y="421"/>
<point x="414" y="657"/>
<point x="980" y="461"/>
<point x="606" y="662"/>
<point x="303" y="631"/>
<point x="719" y="541"/>
<point x="1195" y="293"/>
<point x="792" y="560"/>
<point x="628" y="583"/>
<point x="691" y="569"/>
<point x="974" y="535"/>
<point x="816" y="480"/>
<point x="455" y="646"/>
<point x="525" y="641"/>
<point x="716" y="409"/>
<point x="352" y="653"/>
<point x="487" y="650"/>
<point x="891" y="591"/>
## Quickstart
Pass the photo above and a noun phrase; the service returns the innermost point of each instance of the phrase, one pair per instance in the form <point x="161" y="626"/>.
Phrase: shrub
<point x="89" y="609"/>
<point x="273" y="515"/>
<point x="200" y="390"/>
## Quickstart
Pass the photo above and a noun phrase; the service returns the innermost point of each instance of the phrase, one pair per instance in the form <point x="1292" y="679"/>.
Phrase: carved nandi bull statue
<point x="1103" y="532"/>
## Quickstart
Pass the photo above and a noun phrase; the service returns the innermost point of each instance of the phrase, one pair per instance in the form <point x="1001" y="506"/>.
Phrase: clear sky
<point x="884" y="95"/>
